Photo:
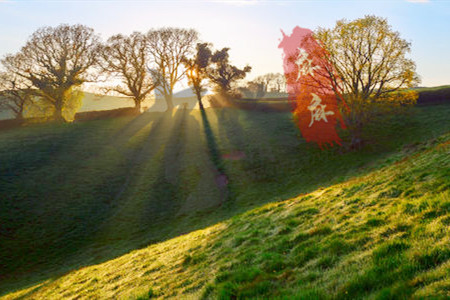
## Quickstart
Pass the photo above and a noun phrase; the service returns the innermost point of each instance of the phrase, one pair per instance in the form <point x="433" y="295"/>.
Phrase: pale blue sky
<point x="250" y="28"/>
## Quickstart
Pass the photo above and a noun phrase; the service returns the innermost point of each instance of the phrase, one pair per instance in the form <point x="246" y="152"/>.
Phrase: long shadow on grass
<point x="146" y="193"/>
<point x="135" y="206"/>
<point x="132" y="127"/>
<point x="30" y="196"/>
<point x="221" y="178"/>
<point x="37" y="149"/>
<point x="306" y="169"/>
<point x="250" y="147"/>
<point x="150" y="190"/>
<point x="56" y="214"/>
<point x="165" y="183"/>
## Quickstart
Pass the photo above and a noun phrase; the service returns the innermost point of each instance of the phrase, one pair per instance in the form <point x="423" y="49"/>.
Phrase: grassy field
<point x="77" y="198"/>
<point x="437" y="94"/>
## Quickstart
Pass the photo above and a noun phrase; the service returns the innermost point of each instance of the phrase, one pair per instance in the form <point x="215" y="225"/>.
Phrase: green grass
<point x="434" y="88"/>
<point x="77" y="199"/>
<point x="438" y="94"/>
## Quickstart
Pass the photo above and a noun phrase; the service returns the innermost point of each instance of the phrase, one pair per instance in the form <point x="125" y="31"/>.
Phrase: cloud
<point x="418" y="1"/>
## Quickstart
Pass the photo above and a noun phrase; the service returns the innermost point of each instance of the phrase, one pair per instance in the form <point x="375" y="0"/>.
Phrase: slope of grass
<point x="433" y="88"/>
<point x="433" y="95"/>
<point x="383" y="235"/>
<point x="81" y="194"/>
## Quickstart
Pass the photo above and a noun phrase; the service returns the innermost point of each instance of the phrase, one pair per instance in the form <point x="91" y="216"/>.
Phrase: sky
<point x="251" y="28"/>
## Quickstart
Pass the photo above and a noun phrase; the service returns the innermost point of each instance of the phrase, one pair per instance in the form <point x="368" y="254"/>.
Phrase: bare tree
<point x="264" y="81"/>
<point x="127" y="58"/>
<point x="257" y="89"/>
<point x="168" y="47"/>
<point x="280" y="82"/>
<point x="197" y="70"/>
<point x="268" y="82"/>
<point x="56" y="60"/>
<point x="15" y="94"/>
<point x="222" y="74"/>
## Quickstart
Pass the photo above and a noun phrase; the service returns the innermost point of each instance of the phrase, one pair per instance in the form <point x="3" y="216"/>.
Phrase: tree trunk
<point x="200" y="103"/>
<point x="137" y="106"/>
<point x="57" y="115"/>
<point x="169" y="102"/>
<point x="357" y="141"/>
<point x="19" y="115"/>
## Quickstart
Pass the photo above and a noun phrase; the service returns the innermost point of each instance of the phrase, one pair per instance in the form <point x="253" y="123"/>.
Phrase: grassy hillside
<point x="434" y="88"/>
<point x="381" y="235"/>
<point x="77" y="197"/>
<point x="434" y="95"/>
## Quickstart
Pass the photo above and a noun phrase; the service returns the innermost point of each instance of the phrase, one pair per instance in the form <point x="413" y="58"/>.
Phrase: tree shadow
<point x="46" y="221"/>
<point x="246" y="144"/>
<point x="168" y="187"/>
<point x="151" y="183"/>
<point x="132" y="127"/>
<point x="221" y="179"/>
<point x="125" y="210"/>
